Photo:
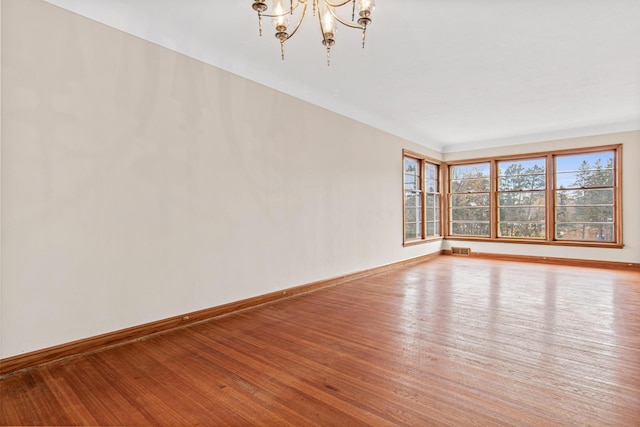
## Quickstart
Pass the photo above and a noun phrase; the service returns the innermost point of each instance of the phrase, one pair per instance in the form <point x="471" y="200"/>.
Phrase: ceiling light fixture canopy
<point x="328" y="16"/>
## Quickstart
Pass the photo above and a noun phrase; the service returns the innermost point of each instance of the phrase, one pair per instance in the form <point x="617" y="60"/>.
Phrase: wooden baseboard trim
<point x="12" y="365"/>
<point x="629" y="266"/>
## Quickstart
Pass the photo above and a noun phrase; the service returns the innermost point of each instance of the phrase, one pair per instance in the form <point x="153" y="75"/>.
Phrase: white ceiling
<point x="447" y="74"/>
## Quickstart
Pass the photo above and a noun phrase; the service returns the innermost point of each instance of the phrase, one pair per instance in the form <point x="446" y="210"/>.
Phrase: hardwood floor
<point x="454" y="341"/>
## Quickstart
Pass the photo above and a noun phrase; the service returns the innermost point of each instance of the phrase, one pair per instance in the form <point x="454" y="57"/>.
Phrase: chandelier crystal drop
<point x="329" y="16"/>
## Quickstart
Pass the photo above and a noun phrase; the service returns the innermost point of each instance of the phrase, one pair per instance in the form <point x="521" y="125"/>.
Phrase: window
<point x="522" y="198"/>
<point x="564" y="197"/>
<point x="412" y="199"/>
<point x="432" y="195"/>
<point x="422" y="196"/>
<point x="470" y="187"/>
<point x="585" y="195"/>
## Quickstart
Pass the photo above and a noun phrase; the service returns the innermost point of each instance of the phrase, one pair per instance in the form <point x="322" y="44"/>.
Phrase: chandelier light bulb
<point x="366" y="5"/>
<point x="280" y="17"/>
<point x="328" y="23"/>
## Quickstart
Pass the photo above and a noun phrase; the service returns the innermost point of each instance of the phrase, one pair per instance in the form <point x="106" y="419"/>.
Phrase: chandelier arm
<point x="337" y="4"/>
<point x="343" y="22"/>
<point x="304" y="12"/>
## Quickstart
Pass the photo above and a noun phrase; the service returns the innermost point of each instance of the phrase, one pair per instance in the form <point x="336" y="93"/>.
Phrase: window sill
<point x="422" y="241"/>
<point x="589" y="244"/>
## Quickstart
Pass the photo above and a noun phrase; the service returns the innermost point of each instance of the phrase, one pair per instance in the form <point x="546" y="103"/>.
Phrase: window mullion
<point x="423" y="198"/>
<point x="551" y="200"/>
<point x="493" y="200"/>
<point x="617" y="193"/>
<point x="443" y="172"/>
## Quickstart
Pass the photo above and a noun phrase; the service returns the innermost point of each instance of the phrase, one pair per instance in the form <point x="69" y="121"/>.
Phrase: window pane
<point x="412" y="230"/>
<point x="411" y="199"/>
<point x="472" y="170"/>
<point x="412" y="214"/>
<point x="470" y="200"/>
<point x="584" y="197"/>
<point x="431" y="172"/>
<point x="470" y="178"/>
<point x="522" y="198"/>
<point x="470" y="185"/>
<point x="585" y="179"/>
<point x="522" y="230"/>
<point x="469" y="214"/>
<point x="470" y="228"/>
<point x="585" y="231"/>
<point x="410" y="182"/>
<point x="584" y="214"/>
<point x="433" y="200"/>
<point x="431" y="186"/>
<point x="433" y="228"/>
<point x="411" y="166"/>
<point x="587" y="170"/>
<point x="432" y="214"/>
<point x="522" y="214"/>
<point x="526" y="174"/>
<point x="522" y="183"/>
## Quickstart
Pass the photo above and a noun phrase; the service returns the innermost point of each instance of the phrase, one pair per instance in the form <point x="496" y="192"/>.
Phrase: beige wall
<point x="631" y="201"/>
<point x="140" y="184"/>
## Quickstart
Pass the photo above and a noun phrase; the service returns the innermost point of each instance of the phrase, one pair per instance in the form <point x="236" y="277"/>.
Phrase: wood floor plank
<point x="453" y="341"/>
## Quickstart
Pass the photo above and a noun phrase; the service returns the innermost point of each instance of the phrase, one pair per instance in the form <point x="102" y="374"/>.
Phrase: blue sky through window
<point x="566" y="166"/>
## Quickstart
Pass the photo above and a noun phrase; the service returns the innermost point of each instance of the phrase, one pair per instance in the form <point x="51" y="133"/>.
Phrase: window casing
<point x="567" y="197"/>
<point x="422" y="199"/>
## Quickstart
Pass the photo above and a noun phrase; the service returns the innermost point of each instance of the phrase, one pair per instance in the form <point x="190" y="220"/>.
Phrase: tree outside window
<point x="469" y="201"/>
<point x="521" y="198"/>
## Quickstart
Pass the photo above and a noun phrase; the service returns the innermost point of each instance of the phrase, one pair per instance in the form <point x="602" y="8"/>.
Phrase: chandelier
<point x="328" y="16"/>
